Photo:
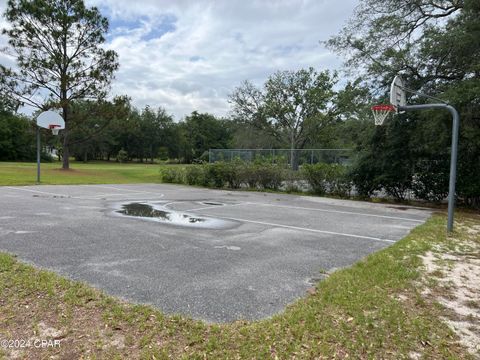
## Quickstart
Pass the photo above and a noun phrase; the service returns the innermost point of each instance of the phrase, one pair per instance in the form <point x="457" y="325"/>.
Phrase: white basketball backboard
<point x="50" y="119"/>
<point x="397" y="92"/>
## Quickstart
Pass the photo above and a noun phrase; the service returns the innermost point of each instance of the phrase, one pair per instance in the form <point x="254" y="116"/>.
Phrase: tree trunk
<point x="293" y="154"/>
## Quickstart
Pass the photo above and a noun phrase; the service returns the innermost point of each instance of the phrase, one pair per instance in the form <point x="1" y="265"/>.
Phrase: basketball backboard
<point x="51" y="120"/>
<point x="397" y="93"/>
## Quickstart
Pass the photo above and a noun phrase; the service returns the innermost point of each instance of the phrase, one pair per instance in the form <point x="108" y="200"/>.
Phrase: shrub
<point x="233" y="173"/>
<point x="327" y="178"/>
<point x="215" y="174"/>
<point x="195" y="175"/>
<point x="316" y="175"/>
<point x="431" y="180"/>
<point x="338" y="181"/>
<point x="468" y="186"/>
<point x="363" y="174"/>
<point x="237" y="172"/>
<point x="398" y="189"/>
<point x="122" y="156"/>
<point x="292" y="179"/>
<point x="173" y="175"/>
<point x="269" y="176"/>
<point x="248" y="174"/>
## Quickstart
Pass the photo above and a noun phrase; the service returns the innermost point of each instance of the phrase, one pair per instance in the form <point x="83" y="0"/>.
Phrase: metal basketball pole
<point x="38" y="154"/>
<point x="453" y="156"/>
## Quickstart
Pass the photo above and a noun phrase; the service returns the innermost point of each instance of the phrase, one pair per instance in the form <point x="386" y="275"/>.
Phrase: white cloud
<point x="189" y="55"/>
<point x="5" y="59"/>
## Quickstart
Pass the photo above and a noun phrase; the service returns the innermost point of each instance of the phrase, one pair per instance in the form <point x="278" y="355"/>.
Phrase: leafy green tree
<point x="385" y="37"/>
<point x="201" y="132"/>
<point x="155" y="130"/>
<point x="351" y="119"/>
<point x="385" y="160"/>
<point x="436" y="47"/>
<point x="247" y="136"/>
<point x="95" y="129"/>
<point x="292" y="106"/>
<point x="16" y="136"/>
<point x="101" y="129"/>
<point x="59" y="59"/>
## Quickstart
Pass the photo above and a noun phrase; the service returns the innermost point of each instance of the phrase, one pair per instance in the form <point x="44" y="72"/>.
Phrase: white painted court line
<point x="86" y="197"/>
<point x="120" y="189"/>
<point x="304" y="208"/>
<point x="335" y="211"/>
<point x="170" y="203"/>
<point x="281" y="225"/>
<point x="215" y="206"/>
<point x="305" y="229"/>
<point x="93" y="197"/>
<point x="39" y="192"/>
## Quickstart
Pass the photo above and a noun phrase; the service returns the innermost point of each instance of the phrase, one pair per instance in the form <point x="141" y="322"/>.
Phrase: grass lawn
<point x="17" y="173"/>
<point x="387" y="306"/>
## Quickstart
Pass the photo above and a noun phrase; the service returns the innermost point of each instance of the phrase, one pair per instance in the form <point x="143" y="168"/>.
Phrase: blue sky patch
<point x="158" y="26"/>
<point x="196" y="58"/>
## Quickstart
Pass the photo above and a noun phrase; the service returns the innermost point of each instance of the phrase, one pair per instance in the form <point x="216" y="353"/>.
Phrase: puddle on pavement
<point x="145" y="210"/>
<point x="398" y="207"/>
<point x="165" y="215"/>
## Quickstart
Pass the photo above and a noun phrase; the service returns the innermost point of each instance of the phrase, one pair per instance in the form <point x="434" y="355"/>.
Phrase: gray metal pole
<point x="453" y="156"/>
<point x="38" y="154"/>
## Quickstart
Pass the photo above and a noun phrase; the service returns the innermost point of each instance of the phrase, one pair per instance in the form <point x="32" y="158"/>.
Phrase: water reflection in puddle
<point x="145" y="210"/>
<point x="165" y="215"/>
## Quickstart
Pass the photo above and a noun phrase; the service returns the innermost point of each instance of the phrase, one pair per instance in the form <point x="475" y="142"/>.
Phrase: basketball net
<point x="55" y="129"/>
<point x="380" y="112"/>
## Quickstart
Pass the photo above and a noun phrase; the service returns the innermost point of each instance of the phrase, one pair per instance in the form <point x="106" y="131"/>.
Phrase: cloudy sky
<point x="188" y="55"/>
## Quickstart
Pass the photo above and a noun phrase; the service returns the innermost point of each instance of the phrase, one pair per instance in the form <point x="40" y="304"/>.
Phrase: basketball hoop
<point x="380" y="112"/>
<point x="55" y="129"/>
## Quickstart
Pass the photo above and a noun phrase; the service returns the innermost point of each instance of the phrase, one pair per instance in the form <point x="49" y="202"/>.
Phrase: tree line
<point x="294" y="109"/>
<point x="115" y="130"/>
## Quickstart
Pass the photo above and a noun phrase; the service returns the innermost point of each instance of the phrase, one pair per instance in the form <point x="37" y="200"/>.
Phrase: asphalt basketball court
<point x="232" y="255"/>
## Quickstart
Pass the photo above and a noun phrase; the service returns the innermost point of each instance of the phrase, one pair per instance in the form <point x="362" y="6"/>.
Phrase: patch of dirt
<point x="474" y="230"/>
<point x="116" y="340"/>
<point x="46" y="331"/>
<point x="457" y="289"/>
<point x="415" y="355"/>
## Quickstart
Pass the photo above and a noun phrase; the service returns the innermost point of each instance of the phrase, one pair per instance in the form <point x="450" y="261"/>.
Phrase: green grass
<point x="374" y="309"/>
<point x="17" y="173"/>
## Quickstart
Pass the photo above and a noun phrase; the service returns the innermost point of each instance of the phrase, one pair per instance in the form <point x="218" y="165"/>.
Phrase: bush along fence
<point x="426" y="182"/>
<point x="321" y="179"/>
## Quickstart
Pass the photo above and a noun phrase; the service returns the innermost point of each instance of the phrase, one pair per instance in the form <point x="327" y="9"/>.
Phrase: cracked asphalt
<point x="263" y="251"/>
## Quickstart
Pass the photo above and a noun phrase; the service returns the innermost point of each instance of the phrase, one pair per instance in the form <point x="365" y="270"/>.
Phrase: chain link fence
<point x="283" y="156"/>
